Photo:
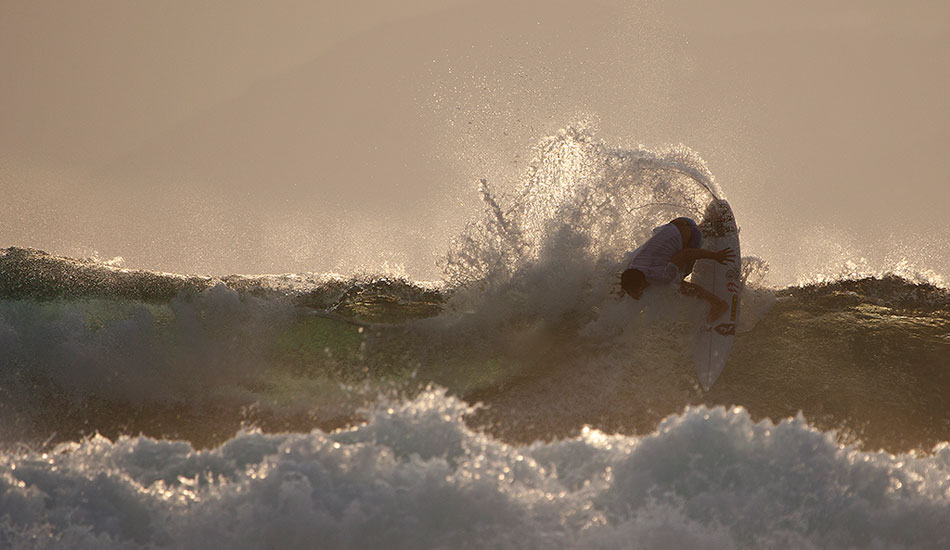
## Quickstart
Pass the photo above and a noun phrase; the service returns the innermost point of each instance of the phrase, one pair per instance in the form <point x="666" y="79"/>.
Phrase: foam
<point x="414" y="476"/>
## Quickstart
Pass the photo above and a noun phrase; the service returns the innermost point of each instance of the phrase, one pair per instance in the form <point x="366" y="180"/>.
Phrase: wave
<point x="518" y="403"/>
<point x="866" y="357"/>
<point x="416" y="476"/>
<point x="527" y="322"/>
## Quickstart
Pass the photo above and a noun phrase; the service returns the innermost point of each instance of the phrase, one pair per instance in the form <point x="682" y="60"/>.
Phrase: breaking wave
<point x="518" y="403"/>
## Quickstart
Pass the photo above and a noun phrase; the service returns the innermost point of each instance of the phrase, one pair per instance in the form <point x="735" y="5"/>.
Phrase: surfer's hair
<point x="632" y="281"/>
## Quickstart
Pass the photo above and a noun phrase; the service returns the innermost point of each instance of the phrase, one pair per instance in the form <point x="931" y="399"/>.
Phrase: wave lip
<point x="28" y="273"/>
<point x="415" y="476"/>
<point x="889" y="290"/>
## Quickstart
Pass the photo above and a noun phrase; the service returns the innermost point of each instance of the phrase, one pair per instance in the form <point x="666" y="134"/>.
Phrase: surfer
<point x="668" y="257"/>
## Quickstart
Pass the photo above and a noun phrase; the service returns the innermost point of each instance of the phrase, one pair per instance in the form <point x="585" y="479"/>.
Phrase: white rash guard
<point x="653" y="257"/>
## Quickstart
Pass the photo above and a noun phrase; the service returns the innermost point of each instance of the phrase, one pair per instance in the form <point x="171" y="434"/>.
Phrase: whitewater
<point x="520" y="402"/>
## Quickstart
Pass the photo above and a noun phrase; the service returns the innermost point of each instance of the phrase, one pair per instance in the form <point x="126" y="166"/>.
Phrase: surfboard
<point x="714" y="340"/>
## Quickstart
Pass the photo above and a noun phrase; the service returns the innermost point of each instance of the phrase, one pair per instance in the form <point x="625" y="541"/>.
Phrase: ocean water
<point x="517" y="403"/>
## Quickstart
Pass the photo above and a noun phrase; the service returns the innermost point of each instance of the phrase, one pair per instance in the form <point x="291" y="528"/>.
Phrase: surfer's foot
<point x="716" y="309"/>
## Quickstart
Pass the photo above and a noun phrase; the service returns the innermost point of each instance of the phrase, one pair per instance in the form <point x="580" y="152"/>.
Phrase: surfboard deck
<point x="713" y="341"/>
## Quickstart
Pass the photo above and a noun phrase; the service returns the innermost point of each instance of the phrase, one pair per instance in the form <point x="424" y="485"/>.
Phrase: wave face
<point x="867" y="358"/>
<point x="519" y="403"/>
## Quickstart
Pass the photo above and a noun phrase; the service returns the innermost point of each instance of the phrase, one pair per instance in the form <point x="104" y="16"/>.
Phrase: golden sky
<point x="220" y="137"/>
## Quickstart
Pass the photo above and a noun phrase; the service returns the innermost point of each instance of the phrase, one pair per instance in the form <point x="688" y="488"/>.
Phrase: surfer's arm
<point x="688" y="255"/>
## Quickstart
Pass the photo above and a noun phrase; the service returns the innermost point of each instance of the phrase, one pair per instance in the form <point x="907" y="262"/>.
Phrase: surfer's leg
<point x="717" y="306"/>
<point x="688" y="267"/>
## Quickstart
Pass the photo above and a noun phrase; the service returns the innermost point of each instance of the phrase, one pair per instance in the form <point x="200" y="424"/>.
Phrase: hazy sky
<point x="219" y="137"/>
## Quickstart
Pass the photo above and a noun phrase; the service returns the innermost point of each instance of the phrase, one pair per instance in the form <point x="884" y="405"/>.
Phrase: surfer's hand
<point x="724" y="255"/>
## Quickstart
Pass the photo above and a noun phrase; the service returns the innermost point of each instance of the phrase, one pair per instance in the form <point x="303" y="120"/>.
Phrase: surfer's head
<point x="633" y="282"/>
